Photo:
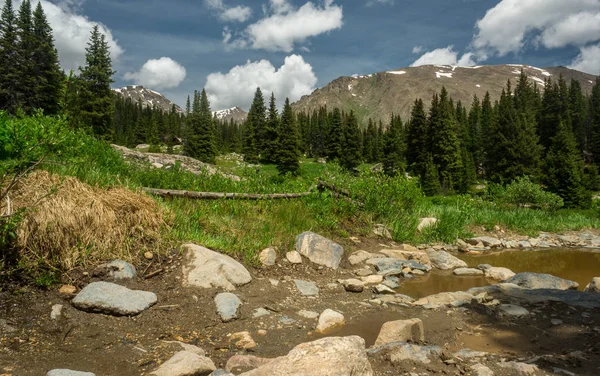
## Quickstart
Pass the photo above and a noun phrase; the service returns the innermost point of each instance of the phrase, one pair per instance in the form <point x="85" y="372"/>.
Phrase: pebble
<point x="149" y="255"/>
<point x="556" y="322"/>
<point x="227" y="306"/>
<point x="56" y="311"/>
<point x="308" y="314"/>
<point x="67" y="290"/>
<point x="307" y="288"/>
<point x="294" y="257"/>
<point x="243" y="341"/>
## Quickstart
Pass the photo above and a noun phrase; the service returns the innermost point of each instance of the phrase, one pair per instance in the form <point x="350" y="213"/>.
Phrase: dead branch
<point x="227" y="196"/>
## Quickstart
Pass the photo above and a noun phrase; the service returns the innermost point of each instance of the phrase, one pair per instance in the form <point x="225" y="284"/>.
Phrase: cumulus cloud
<point x="284" y="26"/>
<point x="588" y="60"/>
<point x="72" y="32"/>
<point x="417" y="49"/>
<point x="240" y="13"/>
<point x="293" y="79"/>
<point x="444" y="56"/>
<point x="509" y="25"/>
<point x="163" y="73"/>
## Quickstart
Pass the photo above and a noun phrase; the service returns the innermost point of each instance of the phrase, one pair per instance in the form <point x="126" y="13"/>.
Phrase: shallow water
<point x="575" y="264"/>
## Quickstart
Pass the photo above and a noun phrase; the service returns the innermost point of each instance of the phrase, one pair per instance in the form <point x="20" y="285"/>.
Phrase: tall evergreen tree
<point x="418" y="148"/>
<point x="564" y="169"/>
<point x="351" y="155"/>
<point x="487" y="121"/>
<point x="594" y="116"/>
<point x="25" y="47"/>
<point x="49" y="77"/>
<point x="203" y="130"/>
<point x="271" y="132"/>
<point x="430" y="180"/>
<point x="9" y="67"/>
<point x="334" y="137"/>
<point x="394" y="162"/>
<point x="370" y="138"/>
<point x="578" y="113"/>
<point x="474" y="143"/>
<point x="288" y="155"/>
<point x="257" y="119"/>
<point x="95" y="96"/>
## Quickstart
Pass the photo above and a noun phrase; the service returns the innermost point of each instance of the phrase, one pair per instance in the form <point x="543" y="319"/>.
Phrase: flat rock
<point x="259" y="312"/>
<point x="330" y="319"/>
<point x="467" y="272"/>
<point x="243" y="340"/>
<point x="426" y="222"/>
<point x="353" y="285"/>
<point x="487" y="241"/>
<point x="384" y="265"/>
<point x="481" y="370"/>
<point x="68" y="372"/>
<point x="246" y="361"/>
<point x="398" y="352"/>
<point x="113" y="299"/>
<point x="331" y="356"/>
<point x="67" y="290"/>
<point x="383" y="289"/>
<point x="445" y="261"/>
<point x="521" y="368"/>
<point x="359" y="257"/>
<point x="445" y="299"/>
<point x="227" y="306"/>
<point x="117" y="269"/>
<point x="205" y="268"/>
<point x="524" y="244"/>
<point x="308" y="314"/>
<point x="56" y="311"/>
<point x="407" y="252"/>
<point x="593" y="286"/>
<point x="392" y="282"/>
<point x="374" y="279"/>
<point x="268" y="256"/>
<point x="319" y="249"/>
<point x="185" y="363"/>
<point x="512" y="310"/>
<point x="307" y="288"/>
<point x="221" y="372"/>
<point x="382" y="230"/>
<point x="499" y="273"/>
<point x="401" y="331"/>
<point x="294" y="257"/>
<point x="469" y="354"/>
<point x="542" y="281"/>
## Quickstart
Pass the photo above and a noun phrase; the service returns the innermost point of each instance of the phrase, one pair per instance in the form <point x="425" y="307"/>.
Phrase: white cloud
<point x="240" y="13"/>
<point x="284" y="26"/>
<point x="444" y="56"/>
<point x="588" y="60"/>
<point x="163" y="73"/>
<point x="72" y="32"/>
<point x="417" y="49"/>
<point x="293" y="79"/>
<point x="374" y="2"/>
<point x="508" y="26"/>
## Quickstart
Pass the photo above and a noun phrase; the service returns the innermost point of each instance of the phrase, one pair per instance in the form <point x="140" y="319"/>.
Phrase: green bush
<point x="523" y="192"/>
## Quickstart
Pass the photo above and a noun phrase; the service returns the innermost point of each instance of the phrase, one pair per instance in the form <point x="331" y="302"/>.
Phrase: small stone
<point x="148" y="255"/>
<point x="157" y="165"/>
<point x="401" y="331"/>
<point x="67" y="290"/>
<point x="112" y="299"/>
<point x="445" y="261"/>
<point x="354" y="285"/>
<point x="261" y="332"/>
<point x="462" y="245"/>
<point x="68" y="372"/>
<point x="274" y="282"/>
<point x="330" y="319"/>
<point x="374" y="279"/>
<point x="593" y="286"/>
<point x="487" y="241"/>
<point x="285" y="320"/>
<point x="221" y="372"/>
<point x="246" y="361"/>
<point x="512" y="310"/>
<point x="308" y="314"/>
<point x="205" y="268"/>
<point x="524" y="244"/>
<point x="268" y="256"/>
<point x="259" y="312"/>
<point x="185" y="363"/>
<point x="359" y="257"/>
<point x="363" y="272"/>
<point x="227" y="306"/>
<point x="294" y="257"/>
<point x="319" y="249"/>
<point x="481" y="370"/>
<point x="307" y="288"/>
<point x="383" y="289"/>
<point x="469" y="354"/>
<point x="467" y="272"/>
<point x="243" y="341"/>
<point x="382" y="231"/>
<point x="56" y="311"/>
<point x="521" y="368"/>
<point x="426" y="222"/>
<point x="392" y="282"/>
<point x="556" y="322"/>
<point x="117" y="269"/>
<point x="417" y="272"/>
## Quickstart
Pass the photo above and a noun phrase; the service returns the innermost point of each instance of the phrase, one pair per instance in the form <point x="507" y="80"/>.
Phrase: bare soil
<point x="126" y="346"/>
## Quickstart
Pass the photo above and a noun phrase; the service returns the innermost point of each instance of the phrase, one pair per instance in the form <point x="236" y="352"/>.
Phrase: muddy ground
<point x="31" y="343"/>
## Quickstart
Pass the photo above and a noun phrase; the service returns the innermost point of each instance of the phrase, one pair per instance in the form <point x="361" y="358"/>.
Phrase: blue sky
<point x="292" y="47"/>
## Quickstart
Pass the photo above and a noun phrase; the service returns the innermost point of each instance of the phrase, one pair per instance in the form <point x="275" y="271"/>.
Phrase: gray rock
<point x="487" y="241"/>
<point x="468" y="272"/>
<point x="331" y="356"/>
<point x="117" y="269"/>
<point x="286" y="320"/>
<point x="329" y="319"/>
<point x="5" y="327"/>
<point x="556" y="322"/>
<point x="499" y="274"/>
<point x="308" y="314"/>
<point x="259" y="312"/>
<point x="353" y="285"/>
<point x="307" y="288"/>
<point x="415" y="265"/>
<point x="542" y="281"/>
<point x="445" y="299"/>
<point x="469" y="354"/>
<point x="445" y="261"/>
<point x="521" y="368"/>
<point x="246" y="361"/>
<point x="392" y="282"/>
<point x="398" y="352"/>
<point x="221" y="372"/>
<point x="481" y="370"/>
<point x="386" y="265"/>
<point x="185" y="363"/>
<point x="524" y="244"/>
<point x="593" y="286"/>
<point x="68" y="372"/>
<point x="268" y="256"/>
<point x="426" y="222"/>
<point x="512" y="310"/>
<point x="294" y="257"/>
<point x="358" y="257"/>
<point x="319" y="249"/>
<point x="112" y="299"/>
<point x="227" y="306"/>
<point x="401" y="331"/>
<point x="382" y="230"/>
<point x="208" y="269"/>
<point x="383" y="289"/>
<point x="56" y="311"/>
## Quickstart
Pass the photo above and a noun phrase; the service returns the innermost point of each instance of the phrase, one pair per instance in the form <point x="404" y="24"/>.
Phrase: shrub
<point x="523" y="192"/>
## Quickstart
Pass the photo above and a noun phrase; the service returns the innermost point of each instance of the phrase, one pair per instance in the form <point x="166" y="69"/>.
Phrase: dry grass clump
<point x="68" y="223"/>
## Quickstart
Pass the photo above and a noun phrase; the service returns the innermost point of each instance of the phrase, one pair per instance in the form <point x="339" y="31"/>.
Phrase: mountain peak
<point x="148" y="97"/>
<point x="234" y="113"/>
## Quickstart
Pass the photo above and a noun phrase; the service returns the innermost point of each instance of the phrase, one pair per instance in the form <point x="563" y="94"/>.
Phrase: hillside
<point x="149" y="98"/>
<point x="378" y="95"/>
<point x="235" y="113"/>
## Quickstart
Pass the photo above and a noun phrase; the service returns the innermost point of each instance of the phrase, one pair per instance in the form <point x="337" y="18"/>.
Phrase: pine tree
<point x="25" y="48"/>
<point x="594" y="116"/>
<point x="474" y="144"/>
<point x="351" y="156"/>
<point x="430" y="180"/>
<point x="394" y="162"/>
<point x="487" y="121"/>
<point x="288" y="155"/>
<point x="270" y="133"/>
<point x="47" y="70"/>
<point x="9" y="71"/>
<point x="257" y="119"/>
<point x="370" y="137"/>
<point x="334" y="137"/>
<point x="564" y="169"/>
<point x="203" y="130"/>
<point x="417" y="154"/>
<point x="95" y="96"/>
<point x="578" y="112"/>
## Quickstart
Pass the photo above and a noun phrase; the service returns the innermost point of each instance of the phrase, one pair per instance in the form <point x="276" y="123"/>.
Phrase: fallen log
<point x="227" y="196"/>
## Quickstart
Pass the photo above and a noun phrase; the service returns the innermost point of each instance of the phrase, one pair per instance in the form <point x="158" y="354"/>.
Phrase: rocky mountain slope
<point x="235" y="113"/>
<point x="149" y="98"/>
<point x="378" y="95"/>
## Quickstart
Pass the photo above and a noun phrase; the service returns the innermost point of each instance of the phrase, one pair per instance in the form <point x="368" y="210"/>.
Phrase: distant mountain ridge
<point x="379" y="95"/>
<point x="148" y="97"/>
<point x="235" y="113"/>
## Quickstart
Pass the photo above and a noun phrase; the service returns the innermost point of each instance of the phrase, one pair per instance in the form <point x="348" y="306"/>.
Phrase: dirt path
<point x="31" y="343"/>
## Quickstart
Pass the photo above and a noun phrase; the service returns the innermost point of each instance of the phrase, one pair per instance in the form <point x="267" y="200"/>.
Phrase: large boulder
<point x="445" y="299"/>
<point x="186" y="363"/>
<point x="542" y="281"/>
<point x="401" y="331"/>
<point x="208" y="269"/>
<point x="593" y="286"/>
<point x="331" y="356"/>
<point x="496" y="273"/>
<point x="445" y="261"/>
<point x="399" y="352"/>
<point x="319" y="249"/>
<point x="467" y="272"/>
<point x="113" y="299"/>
